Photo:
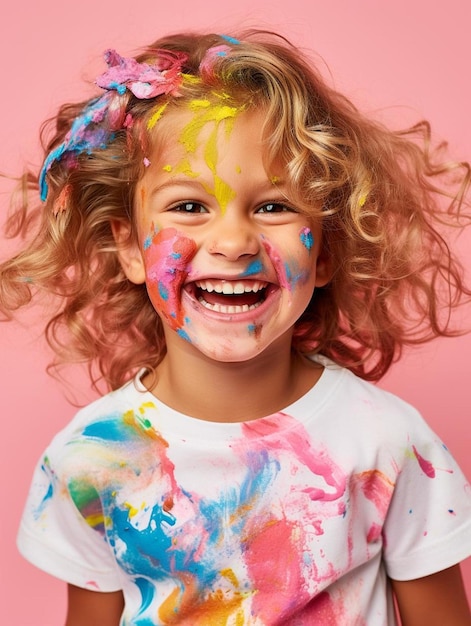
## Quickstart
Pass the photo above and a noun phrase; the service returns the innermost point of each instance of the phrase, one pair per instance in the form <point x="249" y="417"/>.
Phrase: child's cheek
<point x="292" y="268"/>
<point x="167" y="255"/>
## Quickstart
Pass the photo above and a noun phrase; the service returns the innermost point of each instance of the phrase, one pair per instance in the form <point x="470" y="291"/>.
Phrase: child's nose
<point x="233" y="238"/>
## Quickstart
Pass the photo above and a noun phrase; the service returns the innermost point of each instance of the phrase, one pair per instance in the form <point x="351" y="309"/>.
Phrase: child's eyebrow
<point x="265" y="186"/>
<point x="176" y="182"/>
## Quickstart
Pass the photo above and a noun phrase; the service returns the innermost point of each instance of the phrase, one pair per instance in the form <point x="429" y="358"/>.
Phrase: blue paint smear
<point x="147" y="242"/>
<point x="49" y="492"/>
<point x="251" y="328"/>
<point x="230" y="39"/>
<point x="163" y="291"/>
<point x="289" y="275"/>
<point x="306" y="238"/>
<point x="109" y="429"/>
<point x="147" y="590"/>
<point x="255" y="267"/>
<point x="83" y="137"/>
<point x="183" y="334"/>
<point x="153" y="554"/>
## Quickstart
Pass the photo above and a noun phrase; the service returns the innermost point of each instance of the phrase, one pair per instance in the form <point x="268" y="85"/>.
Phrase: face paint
<point x="205" y="113"/>
<point x="167" y="254"/>
<point x="254" y="267"/>
<point x="252" y="275"/>
<point x="255" y="330"/>
<point x="288" y="272"/>
<point x="306" y="238"/>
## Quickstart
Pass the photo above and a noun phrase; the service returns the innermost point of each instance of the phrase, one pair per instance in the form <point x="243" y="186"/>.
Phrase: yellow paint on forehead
<point x="205" y="112"/>
<point x="221" y="191"/>
<point x="156" y="115"/>
<point x="184" y="167"/>
<point x="211" y="150"/>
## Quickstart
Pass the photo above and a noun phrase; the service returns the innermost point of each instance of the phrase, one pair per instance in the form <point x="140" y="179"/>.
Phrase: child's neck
<point x="218" y="391"/>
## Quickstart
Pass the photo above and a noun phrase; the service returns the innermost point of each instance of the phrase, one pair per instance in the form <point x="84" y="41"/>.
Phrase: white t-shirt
<point x="297" y="518"/>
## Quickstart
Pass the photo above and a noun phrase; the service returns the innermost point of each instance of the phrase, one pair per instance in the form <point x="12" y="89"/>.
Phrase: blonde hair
<point x="378" y="192"/>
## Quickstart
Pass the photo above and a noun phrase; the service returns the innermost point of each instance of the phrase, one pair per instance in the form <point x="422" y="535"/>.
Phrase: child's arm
<point x="92" y="608"/>
<point x="436" y="600"/>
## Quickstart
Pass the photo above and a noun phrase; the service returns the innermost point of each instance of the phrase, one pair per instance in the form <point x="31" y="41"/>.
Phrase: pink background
<point x="411" y="56"/>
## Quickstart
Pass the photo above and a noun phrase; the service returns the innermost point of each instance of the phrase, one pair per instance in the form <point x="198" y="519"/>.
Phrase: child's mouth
<point x="224" y="296"/>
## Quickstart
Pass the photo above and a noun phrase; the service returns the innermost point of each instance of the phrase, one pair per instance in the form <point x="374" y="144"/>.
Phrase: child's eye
<point x="189" y="207"/>
<point x="274" y="207"/>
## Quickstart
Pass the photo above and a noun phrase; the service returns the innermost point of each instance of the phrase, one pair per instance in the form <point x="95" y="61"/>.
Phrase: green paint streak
<point x="82" y="494"/>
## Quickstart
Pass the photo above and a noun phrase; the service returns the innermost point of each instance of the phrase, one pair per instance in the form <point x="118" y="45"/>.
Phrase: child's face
<point x="229" y="263"/>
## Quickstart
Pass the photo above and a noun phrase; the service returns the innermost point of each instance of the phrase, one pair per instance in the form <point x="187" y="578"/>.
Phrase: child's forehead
<point x="189" y="127"/>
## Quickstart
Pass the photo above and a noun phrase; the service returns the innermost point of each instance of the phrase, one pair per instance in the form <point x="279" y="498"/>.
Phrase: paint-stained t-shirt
<point x="297" y="518"/>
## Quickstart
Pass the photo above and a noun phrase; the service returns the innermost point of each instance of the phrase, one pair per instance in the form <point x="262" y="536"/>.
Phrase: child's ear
<point x="129" y="252"/>
<point x="324" y="267"/>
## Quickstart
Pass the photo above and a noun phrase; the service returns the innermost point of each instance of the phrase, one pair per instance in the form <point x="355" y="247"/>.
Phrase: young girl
<point x="220" y="224"/>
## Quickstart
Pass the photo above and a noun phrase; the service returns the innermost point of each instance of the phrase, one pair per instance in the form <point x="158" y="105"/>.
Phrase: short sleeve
<point x="54" y="536"/>
<point x="428" y="525"/>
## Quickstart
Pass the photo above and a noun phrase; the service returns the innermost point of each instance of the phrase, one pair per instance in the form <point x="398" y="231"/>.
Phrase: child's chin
<point x="242" y="352"/>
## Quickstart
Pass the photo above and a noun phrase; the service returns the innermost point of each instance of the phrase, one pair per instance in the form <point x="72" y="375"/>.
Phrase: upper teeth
<point x="228" y="287"/>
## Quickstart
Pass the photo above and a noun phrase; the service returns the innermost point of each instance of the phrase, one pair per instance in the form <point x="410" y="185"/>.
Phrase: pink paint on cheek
<point x="288" y="272"/>
<point x="425" y="465"/>
<point x="278" y="264"/>
<point x="167" y="255"/>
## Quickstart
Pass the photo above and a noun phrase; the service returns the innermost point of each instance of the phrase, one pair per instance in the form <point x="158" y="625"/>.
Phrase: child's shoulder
<point x="109" y="408"/>
<point x="354" y="403"/>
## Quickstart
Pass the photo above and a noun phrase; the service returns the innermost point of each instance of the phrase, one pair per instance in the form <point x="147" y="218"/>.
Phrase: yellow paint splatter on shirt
<point x="132" y="510"/>
<point x="229" y="574"/>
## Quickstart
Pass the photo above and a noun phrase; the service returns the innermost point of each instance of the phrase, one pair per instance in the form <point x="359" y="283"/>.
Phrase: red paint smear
<point x="323" y="611"/>
<point x="276" y="574"/>
<point x="167" y="265"/>
<point x="377" y="487"/>
<point x="425" y="466"/>
<point x="92" y="583"/>
<point x="374" y="533"/>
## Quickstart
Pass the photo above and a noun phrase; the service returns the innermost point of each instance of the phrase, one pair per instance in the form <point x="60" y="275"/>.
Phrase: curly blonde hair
<point x="382" y="195"/>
